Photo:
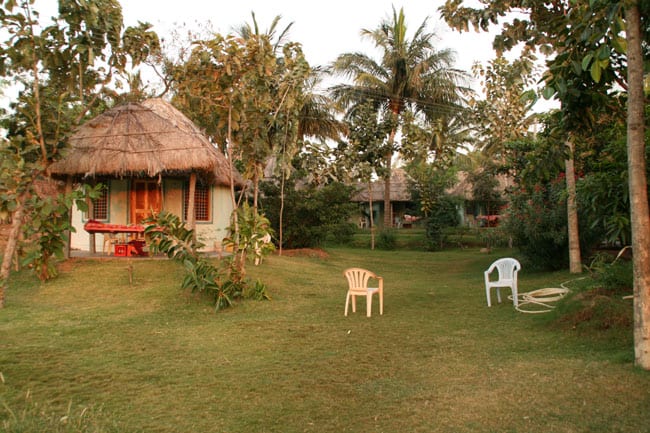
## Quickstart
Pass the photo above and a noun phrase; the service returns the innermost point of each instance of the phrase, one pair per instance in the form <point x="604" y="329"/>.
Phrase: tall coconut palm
<point x="318" y="116"/>
<point x="411" y="75"/>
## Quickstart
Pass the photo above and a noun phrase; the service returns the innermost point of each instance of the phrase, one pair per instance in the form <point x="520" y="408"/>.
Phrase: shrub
<point x="311" y="214"/>
<point x="615" y="276"/>
<point x="169" y="236"/>
<point x="387" y="239"/>
<point x="537" y="221"/>
<point x="342" y="233"/>
<point x="443" y="214"/>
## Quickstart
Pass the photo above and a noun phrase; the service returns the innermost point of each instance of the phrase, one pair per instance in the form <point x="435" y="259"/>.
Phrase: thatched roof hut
<point x="464" y="188"/>
<point x="399" y="189"/>
<point x="149" y="138"/>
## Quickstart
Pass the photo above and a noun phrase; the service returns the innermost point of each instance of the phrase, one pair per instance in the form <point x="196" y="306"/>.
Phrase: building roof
<point x="399" y="188"/>
<point x="148" y="138"/>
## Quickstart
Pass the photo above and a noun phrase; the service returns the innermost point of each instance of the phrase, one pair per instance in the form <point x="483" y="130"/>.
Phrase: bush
<point x="443" y="214"/>
<point x="342" y="233"/>
<point x="615" y="276"/>
<point x="537" y="221"/>
<point x="310" y="214"/>
<point x="491" y="237"/>
<point x="387" y="239"/>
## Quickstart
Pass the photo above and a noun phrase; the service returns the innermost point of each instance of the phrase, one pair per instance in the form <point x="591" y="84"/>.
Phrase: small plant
<point x="387" y="239"/>
<point x="613" y="275"/>
<point x="169" y="236"/>
<point x="492" y="237"/>
<point x="253" y="237"/>
<point x="46" y="228"/>
<point x="258" y="292"/>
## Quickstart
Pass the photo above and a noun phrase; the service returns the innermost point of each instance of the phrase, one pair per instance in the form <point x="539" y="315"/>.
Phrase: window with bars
<point x="201" y="202"/>
<point x="100" y="206"/>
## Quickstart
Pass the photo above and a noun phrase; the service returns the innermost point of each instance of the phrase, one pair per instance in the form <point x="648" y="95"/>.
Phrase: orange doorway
<point x="146" y="199"/>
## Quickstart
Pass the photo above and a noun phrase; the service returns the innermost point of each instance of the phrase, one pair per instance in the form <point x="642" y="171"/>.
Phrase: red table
<point x="133" y="247"/>
<point x="94" y="226"/>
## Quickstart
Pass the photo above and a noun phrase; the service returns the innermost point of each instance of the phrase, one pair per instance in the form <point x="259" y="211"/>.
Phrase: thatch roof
<point x="463" y="186"/>
<point x="149" y="138"/>
<point x="399" y="189"/>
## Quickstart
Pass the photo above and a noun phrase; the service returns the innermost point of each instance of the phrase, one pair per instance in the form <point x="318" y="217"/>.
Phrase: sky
<point x="325" y="28"/>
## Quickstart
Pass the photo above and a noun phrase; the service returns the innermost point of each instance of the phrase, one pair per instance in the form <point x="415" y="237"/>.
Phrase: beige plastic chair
<point x="110" y="240"/>
<point x="358" y="286"/>
<point x="507" y="269"/>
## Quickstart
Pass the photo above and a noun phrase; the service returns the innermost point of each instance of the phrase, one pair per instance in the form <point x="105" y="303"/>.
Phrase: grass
<point x="91" y="352"/>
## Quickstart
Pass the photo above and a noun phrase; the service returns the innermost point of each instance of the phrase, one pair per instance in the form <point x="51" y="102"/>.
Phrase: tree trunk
<point x="575" y="260"/>
<point x="10" y="248"/>
<point x="256" y="189"/>
<point x="191" y="223"/>
<point x="388" y="209"/>
<point x="281" y="217"/>
<point x="68" y="234"/>
<point x="91" y="238"/>
<point x="239" y="265"/>
<point x="372" y="220"/>
<point x="640" y="216"/>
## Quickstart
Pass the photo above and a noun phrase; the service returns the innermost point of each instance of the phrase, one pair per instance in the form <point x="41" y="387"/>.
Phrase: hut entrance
<point x="145" y="199"/>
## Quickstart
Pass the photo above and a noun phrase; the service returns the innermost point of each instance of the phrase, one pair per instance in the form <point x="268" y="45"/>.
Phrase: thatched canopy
<point x="464" y="188"/>
<point x="149" y="138"/>
<point x="399" y="189"/>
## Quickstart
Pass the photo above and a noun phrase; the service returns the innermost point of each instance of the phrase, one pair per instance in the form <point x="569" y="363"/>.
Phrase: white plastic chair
<point x="507" y="277"/>
<point x="358" y="286"/>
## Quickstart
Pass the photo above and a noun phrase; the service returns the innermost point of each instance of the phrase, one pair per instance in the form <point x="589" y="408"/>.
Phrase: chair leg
<point x="381" y="303"/>
<point x="515" y="299"/>
<point x="347" y="302"/>
<point x="487" y="294"/>
<point x="354" y="303"/>
<point x="368" y="304"/>
<point x="499" y="295"/>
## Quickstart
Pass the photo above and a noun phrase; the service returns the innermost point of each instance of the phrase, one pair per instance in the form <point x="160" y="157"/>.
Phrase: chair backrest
<point x="506" y="267"/>
<point x="358" y="279"/>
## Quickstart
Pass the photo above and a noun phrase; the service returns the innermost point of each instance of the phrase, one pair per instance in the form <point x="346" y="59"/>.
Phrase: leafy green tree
<point x="368" y="140"/>
<point x="248" y="93"/>
<point x="504" y="114"/>
<point x="429" y="183"/>
<point x="65" y="68"/>
<point x="312" y="214"/>
<point x="485" y="191"/>
<point x="411" y="75"/>
<point x="592" y="56"/>
<point x="536" y="215"/>
<point x="603" y="191"/>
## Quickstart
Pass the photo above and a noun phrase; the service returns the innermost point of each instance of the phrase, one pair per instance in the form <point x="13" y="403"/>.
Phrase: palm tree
<point x="252" y="30"/>
<point x="318" y="116"/>
<point x="411" y="75"/>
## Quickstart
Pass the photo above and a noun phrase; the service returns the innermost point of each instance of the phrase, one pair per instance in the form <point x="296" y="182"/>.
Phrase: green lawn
<point x="147" y="357"/>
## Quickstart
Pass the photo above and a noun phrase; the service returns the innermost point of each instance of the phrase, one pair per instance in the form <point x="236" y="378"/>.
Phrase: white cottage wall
<point x="211" y="233"/>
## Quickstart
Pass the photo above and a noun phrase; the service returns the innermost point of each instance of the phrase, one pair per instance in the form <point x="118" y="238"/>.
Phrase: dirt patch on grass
<point x="598" y="309"/>
<point x="305" y="252"/>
